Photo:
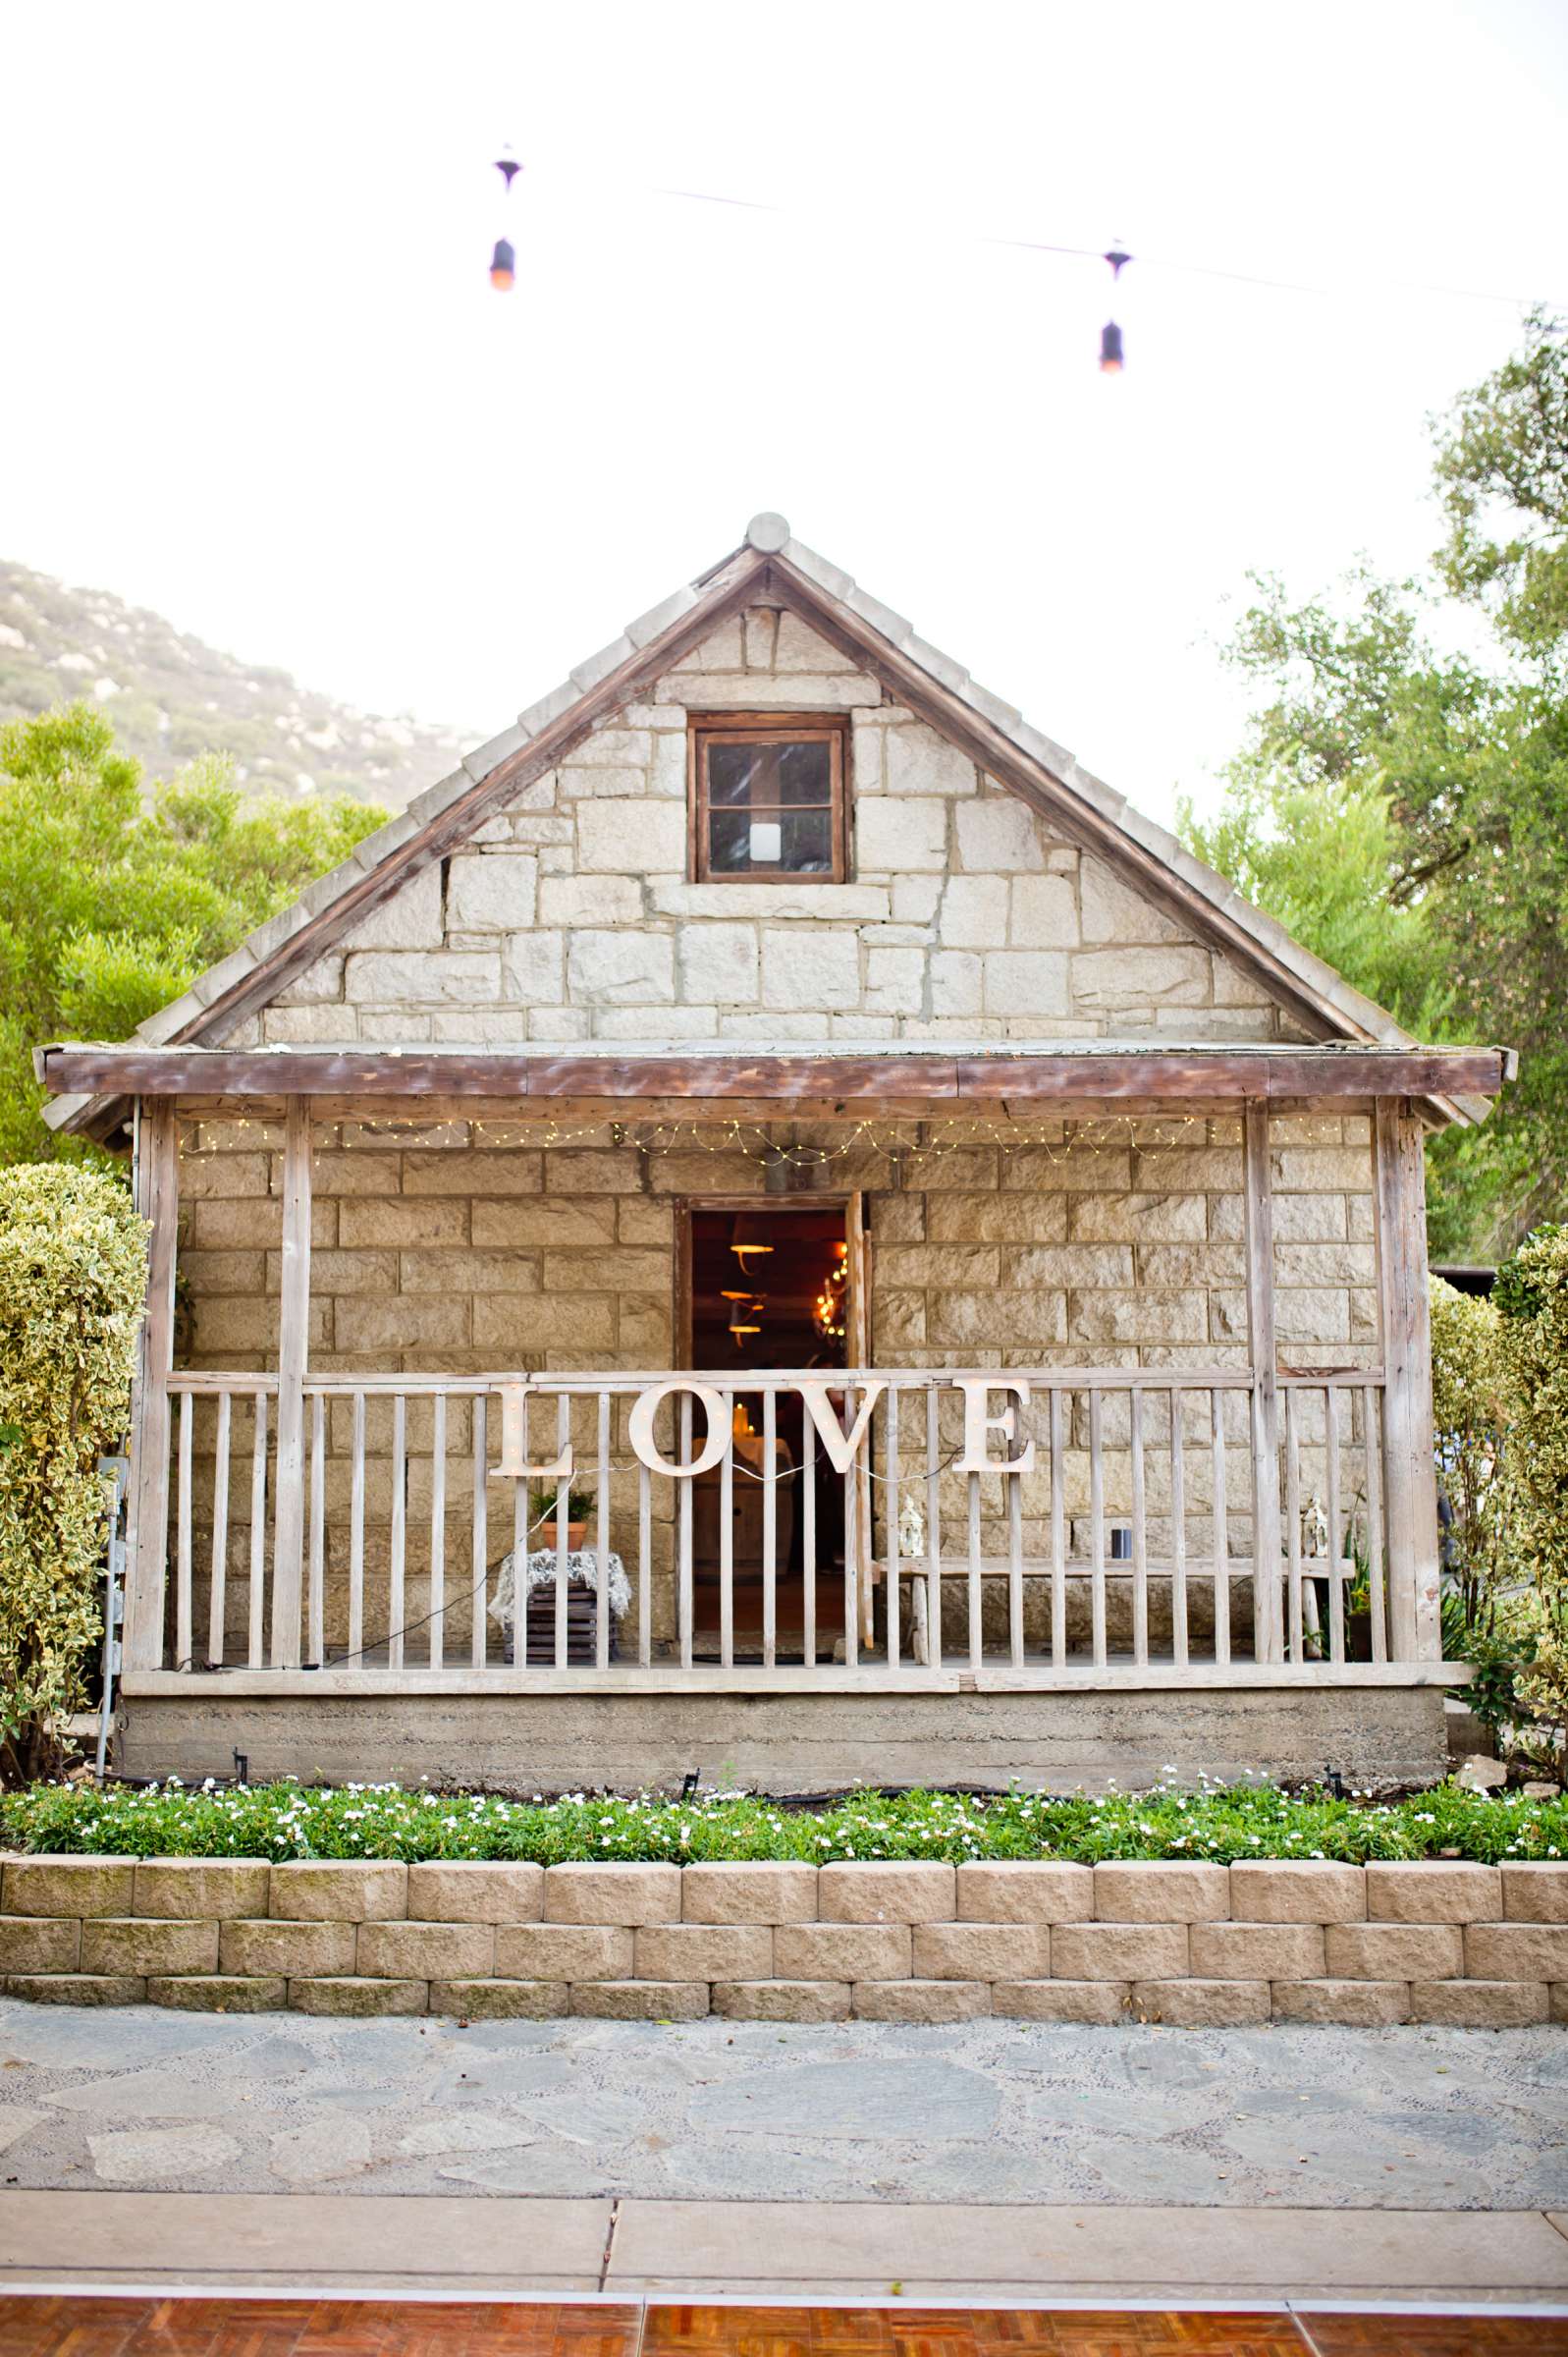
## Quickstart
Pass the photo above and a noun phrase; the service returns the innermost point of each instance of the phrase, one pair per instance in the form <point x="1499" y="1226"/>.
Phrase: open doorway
<point x="769" y="1285"/>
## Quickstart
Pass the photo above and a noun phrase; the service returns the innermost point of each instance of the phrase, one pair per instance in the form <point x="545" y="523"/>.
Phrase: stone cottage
<point x="772" y="1224"/>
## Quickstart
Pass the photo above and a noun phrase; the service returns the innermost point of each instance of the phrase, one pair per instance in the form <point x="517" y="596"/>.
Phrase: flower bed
<point x="285" y="1821"/>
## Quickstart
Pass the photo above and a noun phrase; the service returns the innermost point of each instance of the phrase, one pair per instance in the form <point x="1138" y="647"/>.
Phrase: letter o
<point x="641" y="1429"/>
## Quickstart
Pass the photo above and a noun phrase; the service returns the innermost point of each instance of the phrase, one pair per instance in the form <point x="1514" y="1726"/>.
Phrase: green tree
<point x="111" y="903"/>
<point x="1405" y="811"/>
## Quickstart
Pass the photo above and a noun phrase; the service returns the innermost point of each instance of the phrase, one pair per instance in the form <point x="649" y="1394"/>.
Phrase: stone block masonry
<point x="1190" y="1944"/>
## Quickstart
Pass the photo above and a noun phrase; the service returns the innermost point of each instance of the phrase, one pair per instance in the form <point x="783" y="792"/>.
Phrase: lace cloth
<point x="539" y="1571"/>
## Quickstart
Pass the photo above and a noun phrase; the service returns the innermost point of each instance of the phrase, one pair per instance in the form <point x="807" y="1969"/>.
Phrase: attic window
<point x="768" y="798"/>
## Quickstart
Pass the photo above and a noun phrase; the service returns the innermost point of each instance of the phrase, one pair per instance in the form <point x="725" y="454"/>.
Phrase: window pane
<point x="798" y="842"/>
<point x="768" y="773"/>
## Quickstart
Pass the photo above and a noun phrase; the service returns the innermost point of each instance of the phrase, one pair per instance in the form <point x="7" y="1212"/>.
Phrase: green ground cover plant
<point x="383" y="1821"/>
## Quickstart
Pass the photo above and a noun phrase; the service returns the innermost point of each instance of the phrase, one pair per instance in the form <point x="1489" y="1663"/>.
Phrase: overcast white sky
<point x="256" y="377"/>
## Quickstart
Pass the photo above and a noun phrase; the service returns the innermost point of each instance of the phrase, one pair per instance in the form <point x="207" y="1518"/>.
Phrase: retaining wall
<point x="1186" y="1943"/>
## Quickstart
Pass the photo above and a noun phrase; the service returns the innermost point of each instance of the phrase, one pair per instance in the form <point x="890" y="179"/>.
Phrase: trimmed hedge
<point x="291" y="1821"/>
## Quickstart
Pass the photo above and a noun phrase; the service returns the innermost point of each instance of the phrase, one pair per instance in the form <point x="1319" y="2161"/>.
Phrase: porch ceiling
<point x="926" y="1078"/>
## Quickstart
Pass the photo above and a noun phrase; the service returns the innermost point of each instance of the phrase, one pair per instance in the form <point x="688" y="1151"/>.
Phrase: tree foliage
<point x="111" y="903"/>
<point x="73" y="1271"/>
<point x="1404" y="810"/>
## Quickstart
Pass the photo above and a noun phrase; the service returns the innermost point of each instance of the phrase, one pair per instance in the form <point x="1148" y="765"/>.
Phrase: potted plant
<point x="542" y="1516"/>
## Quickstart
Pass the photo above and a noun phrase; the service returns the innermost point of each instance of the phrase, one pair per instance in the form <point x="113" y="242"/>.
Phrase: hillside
<point x="171" y="697"/>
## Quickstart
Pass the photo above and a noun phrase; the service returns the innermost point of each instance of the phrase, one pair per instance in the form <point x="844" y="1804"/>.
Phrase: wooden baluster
<point x="726" y="1537"/>
<point x="1058" y="1537"/>
<point x="479" y="1554"/>
<point x="182" y="1636"/>
<point x="257" y="1600"/>
<point x="400" y="1529"/>
<point x="1139" y="1532"/>
<point x="1336" y="1585"/>
<point x="562" y="1517"/>
<point x="770" y="1527"/>
<point x="976" y="1587"/>
<point x="1013" y="1483"/>
<point x="522" y="1538"/>
<point x="644" y="1566"/>
<point x="933" y="1526"/>
<point x="293" y="1314"/>
<point x="684" y="1511"/>
<point x="1293" y="1524"/>
<point x="808" y="1536"/>
<point x="218" y="1582"/>
<point x="892" y="1599"/>
<point x="438" y="1531"/>
<point x="1372" y="1425"/>
<point x="1179" y="1536"/>
<point x="1096" y="1526"/>
<point x="601" y="1621"/>
<point x="316" y="1592"/>
<point x="851" y="1545"/>
<point x="357" y="1533"/>
<point x="1221" y="1529"/>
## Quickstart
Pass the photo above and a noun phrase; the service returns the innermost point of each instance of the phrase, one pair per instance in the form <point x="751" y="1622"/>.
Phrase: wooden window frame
<point x="767" y="728"/>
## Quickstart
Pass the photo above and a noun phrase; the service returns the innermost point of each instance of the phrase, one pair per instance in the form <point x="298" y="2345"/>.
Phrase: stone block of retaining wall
<point x="500" y="2001"/>
<point x="1297" y="1891"/>
<point x="475" y="1891"/>
<point x="1061" y="2000"/>
<point x="222" y="1887"/>
<point x="340" y="1891"/>
<point x="347" y="1994"/>
<point x="613" y="1895"/>
<point x="1268" y="1951"/>
<point x="300" y="1952"/>
<point x="426" y="1951"/>
<point x="39" y="1942"/>
<point x="1023" y="1891"/>
<point x="1133" y="1892"/>
<point x="923" y="1891"/>
<point x="982" y="1951"/>
<point x="49" y="1886"/>
<point x="641" y="2000"/>
<point x="219" y="1992"/>
<point x="781" y="2000"/>
<point x="843" y="1952"/>
<point x="563" y="1952"/>
<point x="1434" y="1891"/>
<point x="1353" y="2005"/>
<point x="1480" y="2004"/>
<point x="1118" y="1952"/>
<point x="769" y="1891"/>
<point x="1202" y="2005"/>
<point x="921" y="2000"/>
<point x="1534" y="1893"/>
<point x="140" y="1945"/>
<point x="75" y="1988"/>
<point x="1514" y="1951"/>
<point x="1395" y="1952"/>
<point x="703" y="1952"/>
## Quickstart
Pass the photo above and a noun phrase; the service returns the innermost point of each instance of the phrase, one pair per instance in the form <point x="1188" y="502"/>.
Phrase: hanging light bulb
<point x="744" y="1319"/>
<point x="503" y="261"/>
<point x="1111" y="358"/>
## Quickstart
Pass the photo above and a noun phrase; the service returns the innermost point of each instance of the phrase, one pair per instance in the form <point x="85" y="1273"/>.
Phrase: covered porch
<point x="1132" y="1395"/>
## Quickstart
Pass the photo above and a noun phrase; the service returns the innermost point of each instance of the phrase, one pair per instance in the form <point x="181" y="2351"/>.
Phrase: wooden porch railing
<point x="1112" y="1531"/>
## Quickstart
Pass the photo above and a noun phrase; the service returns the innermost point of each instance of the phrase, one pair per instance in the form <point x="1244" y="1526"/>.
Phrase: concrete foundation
<point x="1377" y="1736"/>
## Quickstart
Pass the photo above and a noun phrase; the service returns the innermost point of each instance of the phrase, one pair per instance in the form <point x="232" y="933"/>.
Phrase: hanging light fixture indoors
<point x="503" y="261"/>
<point x="749" y="1236"/>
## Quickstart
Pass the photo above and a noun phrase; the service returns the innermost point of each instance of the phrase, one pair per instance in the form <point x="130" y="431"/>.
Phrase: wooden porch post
<point x="287" y="1528"/>
<point x="1268" y="1619"/>
<point x="157" y="1193"/>
<point x="1415" y="1631"/>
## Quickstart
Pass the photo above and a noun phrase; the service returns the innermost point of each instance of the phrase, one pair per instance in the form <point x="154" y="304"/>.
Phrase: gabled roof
<point x="769" y="565"/>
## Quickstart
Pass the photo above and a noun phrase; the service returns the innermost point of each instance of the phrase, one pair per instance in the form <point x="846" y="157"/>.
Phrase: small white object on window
<point x="767" y="842"/>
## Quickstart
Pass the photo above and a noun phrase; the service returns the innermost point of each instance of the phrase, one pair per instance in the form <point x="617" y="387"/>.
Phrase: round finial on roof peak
<point x="767" y="531"/>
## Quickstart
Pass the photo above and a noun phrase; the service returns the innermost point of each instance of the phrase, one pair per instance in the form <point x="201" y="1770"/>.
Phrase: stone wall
<point x="1189" y="1944"/>
<point x="570" y="915"/>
